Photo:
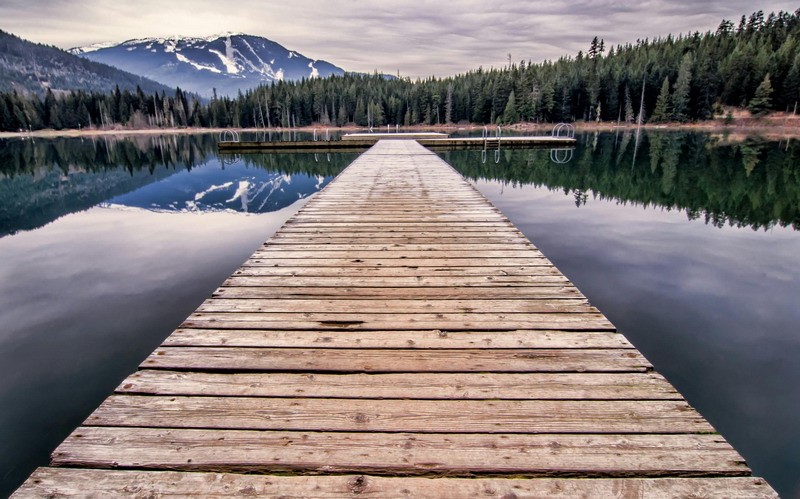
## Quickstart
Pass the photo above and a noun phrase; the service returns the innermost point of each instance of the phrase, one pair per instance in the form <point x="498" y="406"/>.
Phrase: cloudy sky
<point x="418" y="38"/>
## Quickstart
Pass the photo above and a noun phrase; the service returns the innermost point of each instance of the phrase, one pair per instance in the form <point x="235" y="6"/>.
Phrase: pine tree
<point x="448" y="105"/>
<point x="510" y="114"/>
<point x="761" y="103"/>
<point x="791" y="85"/>
<point x="661" y="113"/>
<point x="594" y="48"/>
<point x="630" y="117"/>
<point x="5" y="116"/>
<point x="360" y="115"/>
<point x="376" y="113"/>
<point x="680" y="96"/>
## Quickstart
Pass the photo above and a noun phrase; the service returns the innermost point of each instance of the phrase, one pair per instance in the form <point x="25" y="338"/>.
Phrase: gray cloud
<point x="417" y="37"/>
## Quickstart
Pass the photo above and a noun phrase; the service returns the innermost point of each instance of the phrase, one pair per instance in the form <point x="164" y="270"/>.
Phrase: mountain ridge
<point x="226" y="63"/>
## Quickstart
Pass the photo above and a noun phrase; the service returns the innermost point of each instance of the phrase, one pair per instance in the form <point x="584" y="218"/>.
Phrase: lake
<point x="687" y="242"/>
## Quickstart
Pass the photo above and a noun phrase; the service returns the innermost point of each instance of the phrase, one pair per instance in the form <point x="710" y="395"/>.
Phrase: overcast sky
<point x="417" y="37"/>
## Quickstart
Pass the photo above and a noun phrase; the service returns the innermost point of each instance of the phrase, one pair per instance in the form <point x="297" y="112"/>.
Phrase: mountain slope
<point x="31" y="67"/>
<point x="227" y="63"/>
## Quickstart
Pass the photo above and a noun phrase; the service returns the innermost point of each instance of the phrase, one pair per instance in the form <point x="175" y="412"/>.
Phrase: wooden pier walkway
<point x="397" y="337"/>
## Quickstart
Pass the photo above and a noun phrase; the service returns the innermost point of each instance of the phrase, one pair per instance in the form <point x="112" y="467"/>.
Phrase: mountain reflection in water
<point x="43" y="180"/>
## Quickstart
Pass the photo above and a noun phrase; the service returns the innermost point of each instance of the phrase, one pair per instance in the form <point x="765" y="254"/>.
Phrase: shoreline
<point x="777" y="128"/>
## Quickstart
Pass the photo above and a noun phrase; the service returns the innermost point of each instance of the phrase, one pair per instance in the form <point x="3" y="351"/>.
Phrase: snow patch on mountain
<point x="183" y="58"/>
<point x="92" y="48"/>
<point x="230" y="65"/>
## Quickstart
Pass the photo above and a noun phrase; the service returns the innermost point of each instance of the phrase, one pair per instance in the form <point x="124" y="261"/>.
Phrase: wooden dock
<point x="363" y="141"/>
<point x="397" y="337"/>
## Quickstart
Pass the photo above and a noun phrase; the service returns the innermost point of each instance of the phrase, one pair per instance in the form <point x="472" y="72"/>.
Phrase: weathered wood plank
<point x="415" y="293"/>
<point x="504" y="249"/>
<point x="397" y="339"/>
<point x="418" y="237"/>
<point x="400" y="453"/>
<point x="393" y="415"/>
<point x="402" y="218"/>
<point x="347" y="210"/>
<point x="70" y="482"/>
<point x="498" y="386"/>
<point x="344" y="306"/>
<point x="389" y="321"/>
<point x="282" y="252"/>
<point x="502" y="226"/>
<point x="403" y="281"/>
<point x="388" y="239"/>
<point x="380" y="271"/>
<point x="500" y="229"/>
<point x="461" y="263"/>
<point x="410" y="360"/>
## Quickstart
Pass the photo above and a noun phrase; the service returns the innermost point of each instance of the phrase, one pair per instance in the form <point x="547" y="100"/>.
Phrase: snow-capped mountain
<point x="227" y="63"/>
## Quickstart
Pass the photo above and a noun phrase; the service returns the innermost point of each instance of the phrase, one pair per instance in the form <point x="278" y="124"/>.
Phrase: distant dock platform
<point x="360" y="142"/>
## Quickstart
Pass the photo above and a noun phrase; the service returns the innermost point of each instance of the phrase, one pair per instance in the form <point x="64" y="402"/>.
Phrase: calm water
<point x="691" y="248"/>
<point x="105" y="247"/>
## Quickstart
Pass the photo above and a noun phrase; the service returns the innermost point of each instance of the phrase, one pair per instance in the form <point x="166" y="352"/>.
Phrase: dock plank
<point x="384" y="360"/>
<point x="391" y="415"/>
<point x="334" y="320"/>
<point x="68" y="482"/>
<point x="230" y="290"/>
<point x="424" y="386"/>
<point x="563" y="305"/>
<point x="399" y="453"/>
<point x="432" y="339"/>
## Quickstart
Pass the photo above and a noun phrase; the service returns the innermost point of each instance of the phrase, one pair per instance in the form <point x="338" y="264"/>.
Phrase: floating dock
<point x="397" y="337"/>
<point x="360" y="142"/>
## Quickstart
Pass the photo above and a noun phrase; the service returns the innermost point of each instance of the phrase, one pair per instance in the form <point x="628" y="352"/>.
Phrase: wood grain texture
<point x="388" y="321"/>
<point x="433" y="339"/>
<point x="409" y="360"/>
<point x="66" y="482"/>
<point x="397" y="293"/>
<point x="400" y="453"/>
<point x="392" y="415"/>
<point x="417" y="386"/>
<point x="426" y="306"/>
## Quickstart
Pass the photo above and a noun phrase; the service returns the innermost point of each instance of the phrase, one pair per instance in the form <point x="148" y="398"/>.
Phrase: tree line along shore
<point x="740" y="71"/>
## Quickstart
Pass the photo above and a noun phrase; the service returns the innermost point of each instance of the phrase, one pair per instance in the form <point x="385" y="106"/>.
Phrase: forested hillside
<point x="27" y="67"/>
<point x="754" y="63"/>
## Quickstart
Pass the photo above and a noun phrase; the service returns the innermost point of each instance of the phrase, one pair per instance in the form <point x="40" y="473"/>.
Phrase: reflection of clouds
<point x="465" y="33"/>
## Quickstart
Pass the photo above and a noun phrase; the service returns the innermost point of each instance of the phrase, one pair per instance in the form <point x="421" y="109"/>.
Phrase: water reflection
<point x="43" y="180"/>
<point x="751" y="182"/>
